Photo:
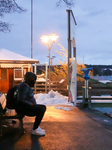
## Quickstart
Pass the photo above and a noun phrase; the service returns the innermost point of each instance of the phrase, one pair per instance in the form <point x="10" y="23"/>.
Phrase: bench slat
<point x="13" y="117"/>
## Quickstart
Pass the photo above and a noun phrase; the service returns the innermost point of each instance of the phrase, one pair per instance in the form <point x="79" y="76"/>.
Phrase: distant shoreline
<point x="102" y="78"/>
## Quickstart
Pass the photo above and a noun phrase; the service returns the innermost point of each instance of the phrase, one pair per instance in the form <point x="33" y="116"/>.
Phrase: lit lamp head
<point x="53" y="37"/>
<point x="45" y="39"/>
<point x="86" y="71"/>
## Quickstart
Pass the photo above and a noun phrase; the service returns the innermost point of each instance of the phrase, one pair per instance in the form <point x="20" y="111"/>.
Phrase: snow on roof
<point x="6" y="55"/>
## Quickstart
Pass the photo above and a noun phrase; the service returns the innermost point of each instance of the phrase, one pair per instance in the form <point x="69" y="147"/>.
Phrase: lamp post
<point x="52" y="59"/>
<point x="49" y="40"/>
<point x="31" y="28"/>
<point x="83" y="60"/>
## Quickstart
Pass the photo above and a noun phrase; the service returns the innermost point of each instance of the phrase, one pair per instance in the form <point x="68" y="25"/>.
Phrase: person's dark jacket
<point x="25" y="95"/>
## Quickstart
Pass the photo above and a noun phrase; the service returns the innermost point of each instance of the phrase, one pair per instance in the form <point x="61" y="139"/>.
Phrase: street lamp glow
<point x="53" y="37"/>
<point x="49" y="40"/>
<point x="45" y="39"/>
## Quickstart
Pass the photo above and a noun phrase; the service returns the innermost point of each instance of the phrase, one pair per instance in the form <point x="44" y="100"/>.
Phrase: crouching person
<point x="26" y="103"/>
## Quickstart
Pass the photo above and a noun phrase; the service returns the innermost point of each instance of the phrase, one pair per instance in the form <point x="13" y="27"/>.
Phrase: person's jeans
<point x="33" y="110"/>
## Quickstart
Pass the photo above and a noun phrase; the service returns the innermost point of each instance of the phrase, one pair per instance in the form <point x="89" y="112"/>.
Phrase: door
<point x="4" y="80"/>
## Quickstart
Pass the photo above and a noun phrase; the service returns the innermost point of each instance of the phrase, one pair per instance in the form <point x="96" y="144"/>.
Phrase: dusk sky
<point x="93" y="33"/>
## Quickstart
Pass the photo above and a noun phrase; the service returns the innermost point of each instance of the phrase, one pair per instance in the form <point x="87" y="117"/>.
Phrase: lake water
<point x="104" y="109"/>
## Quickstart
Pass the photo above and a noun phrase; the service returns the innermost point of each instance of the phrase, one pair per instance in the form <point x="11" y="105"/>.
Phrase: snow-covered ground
<point x="54" y="99"/>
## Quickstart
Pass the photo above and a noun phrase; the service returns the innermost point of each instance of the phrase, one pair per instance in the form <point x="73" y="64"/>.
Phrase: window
<point x="3" y="74"/>
<point x="18" y="74"/>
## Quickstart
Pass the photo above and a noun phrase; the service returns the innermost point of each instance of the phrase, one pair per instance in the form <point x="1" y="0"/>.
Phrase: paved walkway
<point x="77" y="129"/>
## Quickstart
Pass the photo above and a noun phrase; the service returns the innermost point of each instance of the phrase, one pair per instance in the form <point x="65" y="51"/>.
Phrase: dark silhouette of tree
<point x="95" y="71"/>
<point x="107" y="72"/>
<point x="69" y="3"/>
<point x="101" y="69"/>
<point x="8" y="6"/>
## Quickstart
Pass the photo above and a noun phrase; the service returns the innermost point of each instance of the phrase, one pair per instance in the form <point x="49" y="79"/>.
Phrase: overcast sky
<point x="93" y="33"/>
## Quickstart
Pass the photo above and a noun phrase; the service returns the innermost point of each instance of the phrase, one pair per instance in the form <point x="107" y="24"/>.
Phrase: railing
<point x="100" y="94"/>
<point x="97" y="88"/>
<point x="41" y="87"/>
<point x="56" y="86"/>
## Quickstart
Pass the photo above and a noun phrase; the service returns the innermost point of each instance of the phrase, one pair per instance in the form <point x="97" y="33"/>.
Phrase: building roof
<point x="9" y="57"/>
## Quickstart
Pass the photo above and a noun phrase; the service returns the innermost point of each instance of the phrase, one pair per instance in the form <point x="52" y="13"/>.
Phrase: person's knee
<point x="40" y="108"/>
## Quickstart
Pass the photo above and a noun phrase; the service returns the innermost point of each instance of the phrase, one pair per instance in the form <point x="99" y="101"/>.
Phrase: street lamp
<point x="31" y="28"/>
<point x="49" y="40"/>
<point x="51" y="59"/>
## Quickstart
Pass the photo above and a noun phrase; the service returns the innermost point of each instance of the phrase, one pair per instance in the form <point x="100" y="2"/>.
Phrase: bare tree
<point x="8" y="6"/>
<point x="69" y="3"/>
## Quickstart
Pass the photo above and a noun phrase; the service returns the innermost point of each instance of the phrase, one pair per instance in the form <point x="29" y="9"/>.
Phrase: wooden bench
<point x="3" y="115"/>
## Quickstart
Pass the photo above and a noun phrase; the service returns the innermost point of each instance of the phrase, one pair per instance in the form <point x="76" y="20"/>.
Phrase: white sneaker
<point x="38" y="131"/>
<point x="41" y="129"/>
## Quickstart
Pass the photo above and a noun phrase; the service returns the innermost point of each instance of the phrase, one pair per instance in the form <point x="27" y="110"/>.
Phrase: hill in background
<point x="101" y="70"/>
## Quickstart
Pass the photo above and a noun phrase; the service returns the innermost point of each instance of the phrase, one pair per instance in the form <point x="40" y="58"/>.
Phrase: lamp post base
<point x="85" y="103"/>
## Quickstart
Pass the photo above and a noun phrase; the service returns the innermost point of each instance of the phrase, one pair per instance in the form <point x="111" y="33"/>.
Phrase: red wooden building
<point x="12" y="68"/>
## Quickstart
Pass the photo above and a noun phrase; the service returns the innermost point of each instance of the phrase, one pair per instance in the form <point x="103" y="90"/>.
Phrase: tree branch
<point x="69" y="3"/>
<point x="8" y="6"/>
<point x="4" y="27"/>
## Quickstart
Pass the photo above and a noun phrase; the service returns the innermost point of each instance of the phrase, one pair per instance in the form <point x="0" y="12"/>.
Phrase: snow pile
<point x="53" y="99"/>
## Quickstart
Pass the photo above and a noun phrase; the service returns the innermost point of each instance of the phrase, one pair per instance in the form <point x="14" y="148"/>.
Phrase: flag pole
<point x="31" y="28"/>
